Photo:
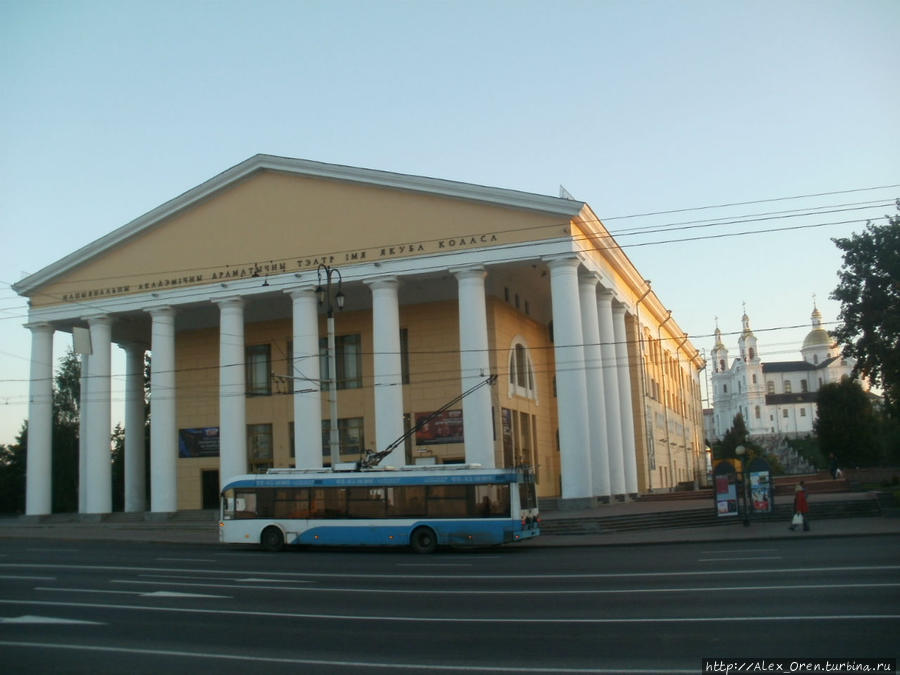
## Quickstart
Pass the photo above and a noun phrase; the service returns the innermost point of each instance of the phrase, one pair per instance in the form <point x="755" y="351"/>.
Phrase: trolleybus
<point x="420" y="507"/>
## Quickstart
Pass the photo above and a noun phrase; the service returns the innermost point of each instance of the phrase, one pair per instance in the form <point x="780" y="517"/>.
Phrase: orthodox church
<point x="775" y="398"/>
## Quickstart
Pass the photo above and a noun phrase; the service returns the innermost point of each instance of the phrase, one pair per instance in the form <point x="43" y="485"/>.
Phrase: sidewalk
<point x="200" y="527"/>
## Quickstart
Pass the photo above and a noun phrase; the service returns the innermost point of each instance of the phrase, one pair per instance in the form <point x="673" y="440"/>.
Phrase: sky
<point x="635" y="107"/>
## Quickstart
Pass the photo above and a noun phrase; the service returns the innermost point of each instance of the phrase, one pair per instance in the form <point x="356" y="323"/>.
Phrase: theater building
<point x="434" y="285"/>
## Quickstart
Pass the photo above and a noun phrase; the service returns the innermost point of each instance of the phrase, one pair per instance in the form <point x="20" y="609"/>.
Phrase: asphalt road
<point x="102" y="607"/>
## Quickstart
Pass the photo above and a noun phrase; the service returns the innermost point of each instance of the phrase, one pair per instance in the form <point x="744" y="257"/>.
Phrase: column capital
<point x="588" y="279"/>
<point x="231" y="302"/>
<point x="563" y="260"/>
<point x="606" y="294"/>
<point x="386" y="281"/>
<point x="302" y="291"/>
<point x="98" y="319"/>
<point x="39" y="326"/>
<point x="161" y="311"/>
<point x="469" y="272"/>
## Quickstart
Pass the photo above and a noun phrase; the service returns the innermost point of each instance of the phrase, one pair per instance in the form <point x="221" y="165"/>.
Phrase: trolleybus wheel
<point x="272" y="539"/>
<point x="423" y="540"/>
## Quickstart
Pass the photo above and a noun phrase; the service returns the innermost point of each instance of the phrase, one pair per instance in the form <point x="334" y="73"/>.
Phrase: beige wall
<point x="433" y="340"/>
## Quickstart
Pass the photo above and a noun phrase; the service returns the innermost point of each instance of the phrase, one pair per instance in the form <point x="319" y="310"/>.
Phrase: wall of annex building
<point x="672" y="414"/>
<point x="432" y="331"/>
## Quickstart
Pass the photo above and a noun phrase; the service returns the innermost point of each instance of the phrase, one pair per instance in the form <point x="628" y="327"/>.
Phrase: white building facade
<point x="774" y="397"/>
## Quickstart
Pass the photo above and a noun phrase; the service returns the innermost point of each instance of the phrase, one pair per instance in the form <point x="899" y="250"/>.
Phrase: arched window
<point x="752" y="353"/>
<point x="722" y="365"/>
<point x="521" y="371"/>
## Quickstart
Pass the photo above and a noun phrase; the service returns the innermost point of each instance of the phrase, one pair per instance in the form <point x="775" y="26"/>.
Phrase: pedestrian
<point x="834" y="466"/>
<point x="801" y="507"/>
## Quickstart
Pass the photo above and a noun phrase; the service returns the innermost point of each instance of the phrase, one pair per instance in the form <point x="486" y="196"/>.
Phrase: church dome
<point x="818" y="337"/>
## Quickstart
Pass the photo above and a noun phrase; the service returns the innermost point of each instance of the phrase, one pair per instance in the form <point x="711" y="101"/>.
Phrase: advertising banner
<point x="202" y="442"/>
<point x="445" y="428"/>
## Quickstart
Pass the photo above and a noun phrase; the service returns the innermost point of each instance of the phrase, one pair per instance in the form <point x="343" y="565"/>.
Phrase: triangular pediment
<point x="277" y="215"/>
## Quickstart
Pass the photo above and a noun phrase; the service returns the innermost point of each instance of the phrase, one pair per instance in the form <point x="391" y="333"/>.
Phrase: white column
<point x="627" y="415"/>
<point x="98" y="497"/>
<point x="571" y="384"/>
<point x="388" y="370"/>
<point x="83" y="432"/>
<point x="611" y="391"/>
<point x="475" y="366"/>
<point x="135" y="471"/>
<point x="307" y="385"/>
<point x="232" y="390"/>
<point x="39" y="462"/>
<point x="163" y="433"/>
<point x="593" y="361"/>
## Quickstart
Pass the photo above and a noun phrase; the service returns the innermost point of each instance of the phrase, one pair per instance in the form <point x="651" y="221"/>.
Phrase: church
<point x="299" y="313"/>
<point x="774" y="397"/>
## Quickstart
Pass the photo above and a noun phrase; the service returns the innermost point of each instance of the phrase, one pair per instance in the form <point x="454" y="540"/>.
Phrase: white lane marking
<point x="434" y="564"/>
<point x="242" y="579"/>
<point x="518" y="591"/>
<point x="738" y="550"/>
<point x="442" y="619"/>
<point x="203" y="560"/>
<point x="741" y="559"/>
<point x="805" y="571"/>
<point x="30" y="619"/>
<point x="157" y="594"/>
<point x="481" y="668"/>
<point x="26" y="578"/>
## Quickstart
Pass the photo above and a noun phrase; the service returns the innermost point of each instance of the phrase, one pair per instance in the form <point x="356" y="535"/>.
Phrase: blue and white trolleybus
<point x="418" y="506"/>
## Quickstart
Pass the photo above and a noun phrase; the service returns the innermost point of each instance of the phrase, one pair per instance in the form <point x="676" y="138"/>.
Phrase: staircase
<point x="703" y="517"/>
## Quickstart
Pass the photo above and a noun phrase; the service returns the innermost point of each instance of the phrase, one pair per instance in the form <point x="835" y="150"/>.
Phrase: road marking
<point x="244" y="579"/>
<point x="738" y="550"/>
<point x="26" y="578"/>
<point x="158" y="594"/>
<point x="441" y="619"/>
<point x="203" y="560"/>
<point x="518" y="591"/>
<point x="29" y="619"/>
<point x="805" y="571"/>
<point x="434" y="564"/>
<point x="742" y="559"/>
<point x="481" y="668"/>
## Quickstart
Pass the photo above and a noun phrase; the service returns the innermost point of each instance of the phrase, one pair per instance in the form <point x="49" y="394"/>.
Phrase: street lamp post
<point x="741" y="452"/>
<point x="327" y="298"/>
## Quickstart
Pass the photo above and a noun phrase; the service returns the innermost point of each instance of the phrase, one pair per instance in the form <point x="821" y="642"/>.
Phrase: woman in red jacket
<point x="801" y="506"/>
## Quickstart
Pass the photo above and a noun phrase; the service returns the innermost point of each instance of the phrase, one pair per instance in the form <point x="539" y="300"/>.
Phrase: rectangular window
<point x="787" y="386"/>
<point x="802" y="412"/>
<point x="784" y="413"/>
<point x="348" y="359"/>
<point x="259" y="370"/>
<point x="259" y="447"/>
<point x="804" y="387"/>
<point x="770" y="386"/>
<point x="350" y="437"/>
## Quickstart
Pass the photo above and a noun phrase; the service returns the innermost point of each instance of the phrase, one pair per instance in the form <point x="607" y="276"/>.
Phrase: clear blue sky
<point x="111" y="108"/>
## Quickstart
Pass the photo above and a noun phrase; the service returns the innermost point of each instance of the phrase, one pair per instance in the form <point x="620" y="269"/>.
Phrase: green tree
<point x="66" y="413"/>
<point x="869" y="293"/>
<point x="847" y="425"/>
<point x="735" y="436"/>
<point x="12" y="474"/>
